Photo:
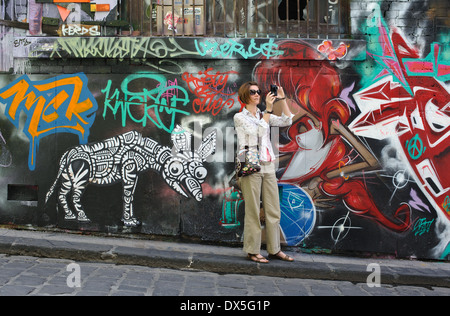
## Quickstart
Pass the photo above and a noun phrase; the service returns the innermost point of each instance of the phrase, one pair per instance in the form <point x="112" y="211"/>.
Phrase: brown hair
<point x="244" y="91"/>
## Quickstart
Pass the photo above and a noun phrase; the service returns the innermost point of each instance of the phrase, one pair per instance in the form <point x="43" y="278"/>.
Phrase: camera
<point x="273" y="89"/>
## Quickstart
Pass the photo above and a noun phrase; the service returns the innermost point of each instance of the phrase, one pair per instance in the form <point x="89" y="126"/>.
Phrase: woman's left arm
<point x="283" y="102"/>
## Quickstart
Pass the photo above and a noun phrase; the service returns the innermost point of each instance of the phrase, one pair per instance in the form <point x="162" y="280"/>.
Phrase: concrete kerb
<point x="217" y="259"/>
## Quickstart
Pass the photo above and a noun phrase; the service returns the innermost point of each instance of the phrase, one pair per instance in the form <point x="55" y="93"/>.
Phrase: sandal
<point x="257" y="258"/>
<point x="280" y="257"/>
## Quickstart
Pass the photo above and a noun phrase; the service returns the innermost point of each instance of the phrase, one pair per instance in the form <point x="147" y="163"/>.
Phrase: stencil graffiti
<point x="121" y="159"/>
<point x="62" y="104"/>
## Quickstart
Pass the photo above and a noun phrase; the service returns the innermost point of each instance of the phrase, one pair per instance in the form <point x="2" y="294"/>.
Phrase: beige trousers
<point x="252" y="186"/>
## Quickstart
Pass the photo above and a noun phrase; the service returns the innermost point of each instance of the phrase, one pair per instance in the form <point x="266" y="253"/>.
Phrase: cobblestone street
<point x="29" y="276"/>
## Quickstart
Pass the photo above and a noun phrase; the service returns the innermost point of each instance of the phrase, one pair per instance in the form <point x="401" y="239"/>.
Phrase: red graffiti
<point x="415" y="110"/>
<point x="212" y="91"/>
<point x="319" y="149"/>
<point x="332" y="53"/>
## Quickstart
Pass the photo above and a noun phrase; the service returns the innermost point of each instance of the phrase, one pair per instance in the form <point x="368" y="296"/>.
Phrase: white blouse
<point x="255" y="131"/>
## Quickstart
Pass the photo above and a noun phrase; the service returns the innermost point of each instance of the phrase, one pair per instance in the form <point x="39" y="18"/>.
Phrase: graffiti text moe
<point x="154" y="105"/>
<point x="60" y="104"/>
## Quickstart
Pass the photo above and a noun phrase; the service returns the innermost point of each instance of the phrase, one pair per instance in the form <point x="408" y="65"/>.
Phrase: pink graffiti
<point x="417" y="203"/>
<point x="169" y="92"/>
<point x="432" y="65"/>
<point x="332" y="53"/>
<point x="171" y="21"/>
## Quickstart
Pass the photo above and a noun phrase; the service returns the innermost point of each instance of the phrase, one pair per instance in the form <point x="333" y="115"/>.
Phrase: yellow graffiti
<point x="341" y="164"/>
<point x="446" y="204"/>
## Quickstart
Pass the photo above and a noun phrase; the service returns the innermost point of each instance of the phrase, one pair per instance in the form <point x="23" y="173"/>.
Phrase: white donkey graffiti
<point x="121" y="158"/>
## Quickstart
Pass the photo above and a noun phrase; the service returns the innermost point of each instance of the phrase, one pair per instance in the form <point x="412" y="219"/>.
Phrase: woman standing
<point x="253" y="129"/>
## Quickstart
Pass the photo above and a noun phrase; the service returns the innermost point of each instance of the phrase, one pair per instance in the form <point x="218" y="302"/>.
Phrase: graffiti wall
<point x="134" y="135"/>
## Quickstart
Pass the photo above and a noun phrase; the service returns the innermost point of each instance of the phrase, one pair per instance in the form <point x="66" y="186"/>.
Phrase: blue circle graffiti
<point x="298" y="214"/>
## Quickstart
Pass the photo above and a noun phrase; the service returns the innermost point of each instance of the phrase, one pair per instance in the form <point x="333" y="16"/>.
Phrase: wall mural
<point x="321" y="151"/>
<point x="407" y="103"/>
<point x="121" y="158"/>
<point x="361" y="169"/>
